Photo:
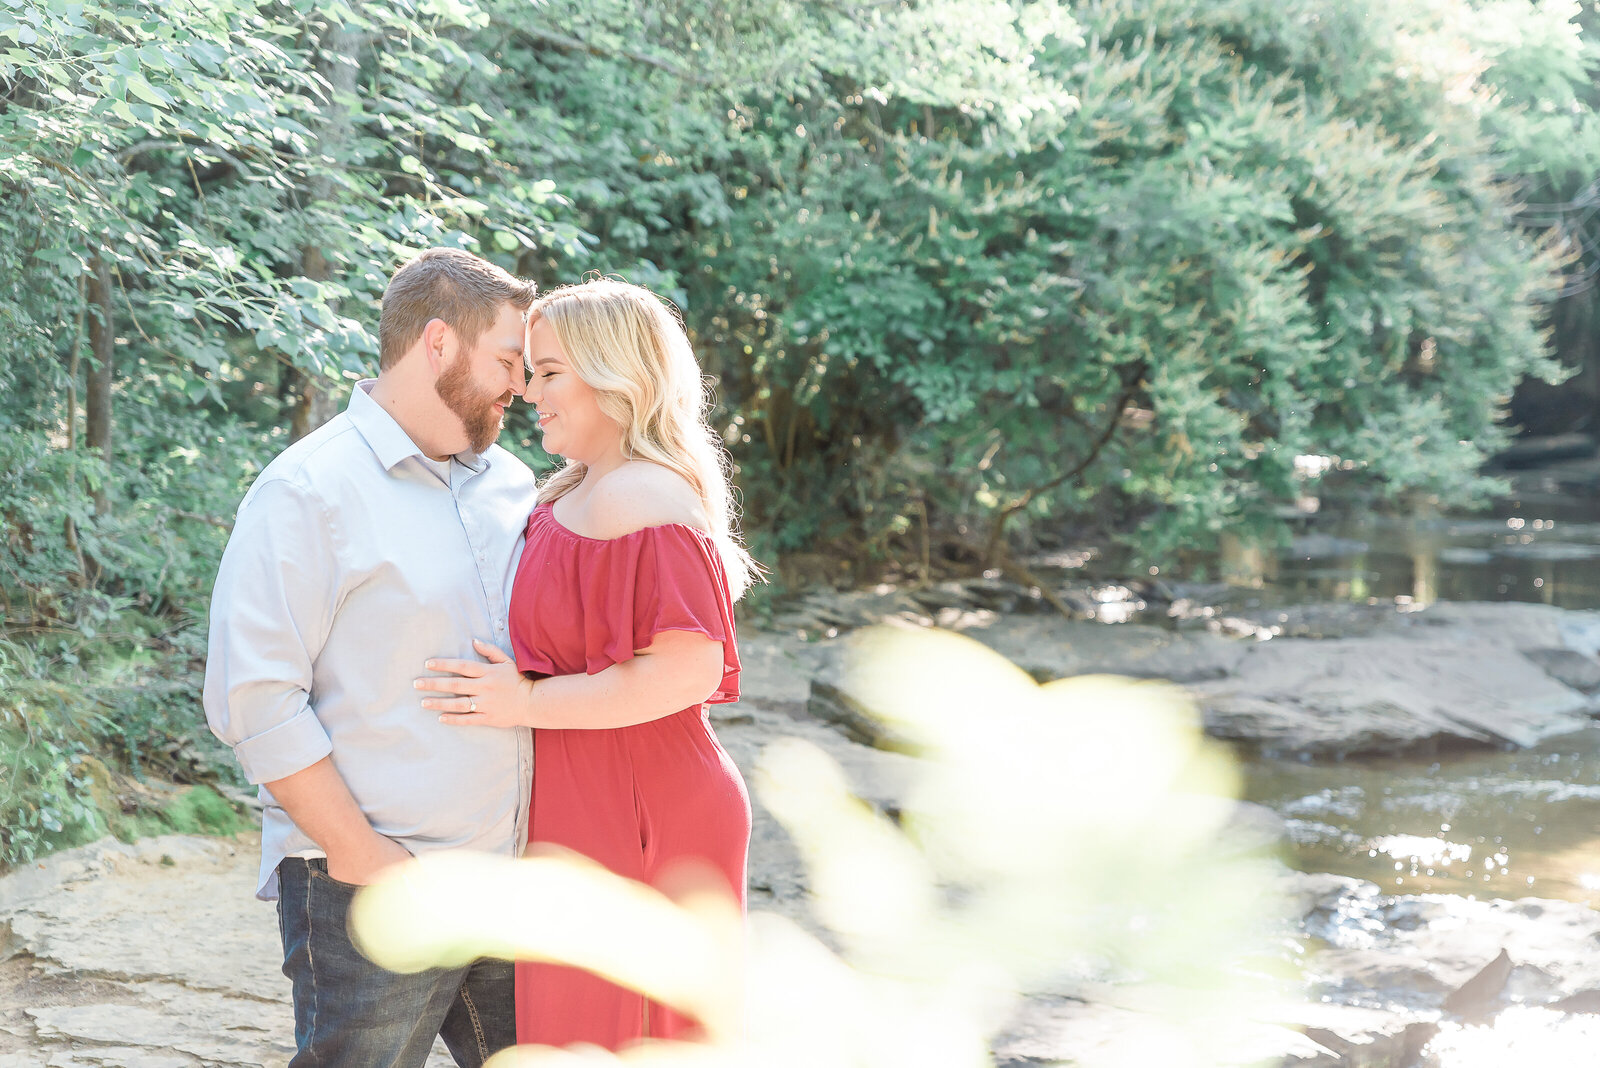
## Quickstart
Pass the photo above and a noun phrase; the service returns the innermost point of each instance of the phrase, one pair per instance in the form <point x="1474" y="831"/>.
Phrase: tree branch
<point x="1130" y="386"/>
<point x="576" y="44"/>
<point x="134" y="151"/>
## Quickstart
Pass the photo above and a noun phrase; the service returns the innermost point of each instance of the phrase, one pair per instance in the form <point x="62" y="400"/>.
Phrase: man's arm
<point x="320" y="804"/>
<point x="271" y="611"/>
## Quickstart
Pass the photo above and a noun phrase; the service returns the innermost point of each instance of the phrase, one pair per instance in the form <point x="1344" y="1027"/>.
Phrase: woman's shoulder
<point x="640" y="495"/>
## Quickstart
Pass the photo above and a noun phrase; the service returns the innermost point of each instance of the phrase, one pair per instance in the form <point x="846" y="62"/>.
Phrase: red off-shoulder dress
<point x="637" y="799"/>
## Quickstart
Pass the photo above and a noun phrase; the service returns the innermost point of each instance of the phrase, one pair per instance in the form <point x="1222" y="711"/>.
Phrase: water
<point x="1536" y="547"/>
<point x="1524" y="823"/>
<point x="1487" y="824"/>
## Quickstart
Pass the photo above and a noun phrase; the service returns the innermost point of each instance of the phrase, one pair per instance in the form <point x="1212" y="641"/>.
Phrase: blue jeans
<point x="350" y="1013"/>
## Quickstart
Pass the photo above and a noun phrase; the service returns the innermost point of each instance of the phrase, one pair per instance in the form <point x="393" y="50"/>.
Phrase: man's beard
<point x="475" y="410"/>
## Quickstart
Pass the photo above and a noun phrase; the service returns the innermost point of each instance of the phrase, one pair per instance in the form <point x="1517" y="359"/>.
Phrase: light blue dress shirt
<point x="350" y="564"/>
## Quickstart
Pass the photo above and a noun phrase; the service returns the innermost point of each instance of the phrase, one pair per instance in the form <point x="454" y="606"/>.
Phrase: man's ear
<point x="438" y="344"/>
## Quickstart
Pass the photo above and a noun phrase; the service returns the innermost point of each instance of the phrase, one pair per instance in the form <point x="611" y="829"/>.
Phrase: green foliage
<point x="74" y="710"/>
<point x="1122" y="258"/>
<point x="194" y="810"/>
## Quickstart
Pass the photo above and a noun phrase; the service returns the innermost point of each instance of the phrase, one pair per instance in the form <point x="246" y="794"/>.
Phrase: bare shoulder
<point x="640" y="494"/>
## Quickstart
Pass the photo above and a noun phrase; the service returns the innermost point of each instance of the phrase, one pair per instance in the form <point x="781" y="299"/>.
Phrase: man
<point x="386" y="537"/>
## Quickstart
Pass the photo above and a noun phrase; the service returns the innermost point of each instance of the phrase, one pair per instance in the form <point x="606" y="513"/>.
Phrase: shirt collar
<point x="387" y="439"/>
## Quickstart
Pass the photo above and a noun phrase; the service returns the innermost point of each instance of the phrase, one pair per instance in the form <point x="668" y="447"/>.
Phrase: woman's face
<point x="570" y="419"/>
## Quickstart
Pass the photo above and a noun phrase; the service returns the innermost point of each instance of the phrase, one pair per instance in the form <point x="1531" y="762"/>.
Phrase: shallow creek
<point x="1490" y="824"/>
<point x="1524" y="823"/>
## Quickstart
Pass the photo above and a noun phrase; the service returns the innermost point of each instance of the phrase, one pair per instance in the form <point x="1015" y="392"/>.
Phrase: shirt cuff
<point x="291" y="746"/>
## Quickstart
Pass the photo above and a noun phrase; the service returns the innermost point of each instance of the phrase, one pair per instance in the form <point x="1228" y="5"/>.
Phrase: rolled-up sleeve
<point x="270" y="614"/>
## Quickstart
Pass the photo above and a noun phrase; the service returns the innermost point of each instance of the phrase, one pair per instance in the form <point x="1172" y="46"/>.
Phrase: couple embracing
<point x="413" y="648"/>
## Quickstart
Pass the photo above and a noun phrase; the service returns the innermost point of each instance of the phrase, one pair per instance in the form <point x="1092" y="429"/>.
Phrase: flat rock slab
<point x="211" y="1037"/>
<point x="1382" y="695"/>
<point x="1064" y="1030"/>
<point x="1309" y="682"/>
<point x="233" y="945"/>
<point x="1051" y="647"/>
<point x="150" y="955"/>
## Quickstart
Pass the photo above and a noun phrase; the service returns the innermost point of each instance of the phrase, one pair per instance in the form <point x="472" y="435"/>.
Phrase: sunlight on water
<point x="1421" y="851"/>
<point x="1521" y="1035"/>
<point x="1489" y="823"/>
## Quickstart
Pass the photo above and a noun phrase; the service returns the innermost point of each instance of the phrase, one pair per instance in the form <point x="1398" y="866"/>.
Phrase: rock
<point x="212" y="1037"/>
<point x="1498" y="623"/>
<point x="1417" y="952"/>
<point x="776" y="874"/>
<point x="1584" y="1001"/>
<point x="1057" y="1030"/>
<point x="1324" y="621"/>
<point x="119" y="1057"/>
<point x="1474" y="999"/>
<point x="174" y="962"/>
<point x="1353" y="696"/>
<point x="776" y="669"/>
<point x="1311" y="546"/>
<point x="1252" y="828"/>
<point x="833" y="699"/>
<point x="1448" y="677"/>
<point x="1355" y="1035"/>
<point x="833" y="702"/>
<point x="206" y="892"/>
<point x="1569" y="667"/>
<point x="1382" y="971"/>
<point x="1580" y="632"/>
<point x="1531" y="452"/>
<point x="1049" y="647"/>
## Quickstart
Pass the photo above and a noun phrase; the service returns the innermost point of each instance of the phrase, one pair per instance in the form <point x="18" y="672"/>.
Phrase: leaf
<point x="147" y="92"/>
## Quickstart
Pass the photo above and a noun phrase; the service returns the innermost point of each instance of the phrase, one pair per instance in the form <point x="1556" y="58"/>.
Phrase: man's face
<point x="480" y="383"/>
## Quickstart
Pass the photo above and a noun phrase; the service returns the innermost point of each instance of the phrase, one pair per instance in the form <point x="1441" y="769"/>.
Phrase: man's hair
<point x="464" y="290"/>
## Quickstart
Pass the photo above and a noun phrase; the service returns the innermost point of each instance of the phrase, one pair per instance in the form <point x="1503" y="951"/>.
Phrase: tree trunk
<point x="69" y="526"/>
<point x="98" y="425"/>
<point x="337" y="62"/>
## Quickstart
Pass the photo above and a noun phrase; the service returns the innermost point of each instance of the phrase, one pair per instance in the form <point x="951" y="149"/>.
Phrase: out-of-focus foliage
<point x="963" y="270"/>
<point x="1040" y="844"/>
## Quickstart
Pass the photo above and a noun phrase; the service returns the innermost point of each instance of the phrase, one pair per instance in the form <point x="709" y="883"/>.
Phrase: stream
<point x="1512" y="823"/>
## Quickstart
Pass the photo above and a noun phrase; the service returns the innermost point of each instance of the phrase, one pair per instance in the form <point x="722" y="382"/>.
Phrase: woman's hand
<point x="493" y="694"/>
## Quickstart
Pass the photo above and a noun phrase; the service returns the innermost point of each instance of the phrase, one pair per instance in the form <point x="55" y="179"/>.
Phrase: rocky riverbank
<point x="156" y="956"/>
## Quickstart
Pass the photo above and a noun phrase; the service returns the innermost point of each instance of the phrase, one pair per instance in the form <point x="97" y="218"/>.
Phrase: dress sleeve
<point x="665" y="578"/>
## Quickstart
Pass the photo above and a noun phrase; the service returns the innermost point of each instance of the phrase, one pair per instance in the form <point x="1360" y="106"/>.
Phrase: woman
<point x="622" y="624"/>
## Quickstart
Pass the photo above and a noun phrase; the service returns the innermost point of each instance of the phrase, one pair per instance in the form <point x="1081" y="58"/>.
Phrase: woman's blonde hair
<point x="629" y="346"/>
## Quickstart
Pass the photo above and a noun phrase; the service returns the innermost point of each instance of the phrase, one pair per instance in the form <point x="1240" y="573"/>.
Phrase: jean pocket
<point x="317" y="869"/>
